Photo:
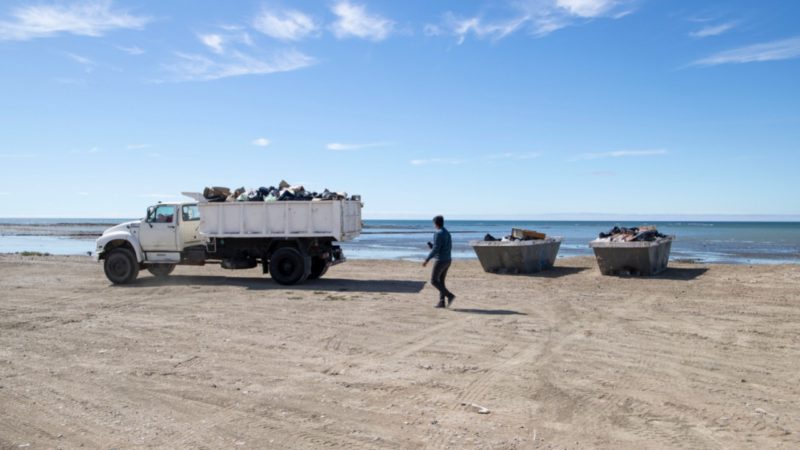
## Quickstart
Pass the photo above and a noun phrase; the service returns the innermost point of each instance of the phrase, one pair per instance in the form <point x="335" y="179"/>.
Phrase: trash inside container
<point x="632" y="258"/>
<point x="517" y="257"/>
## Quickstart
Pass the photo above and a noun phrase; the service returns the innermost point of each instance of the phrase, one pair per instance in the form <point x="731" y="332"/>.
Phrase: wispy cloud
<point x="87" y="63"/>
<point x="713" y="30"/>
<point x="589" y="8"/>
<point x="354" y="21"/>
<point x="137" y="146"/>
<point x="194" y="67"/>
<point x="537" y="17"/>
<point x="261" y="142"/>
<point x="133" y="50"/>
<point x="337" y="146"/>
<point x="514" y="156"/>
<point x="768" y="51"/>
<point x="86" y="18"/>
<point x="286" y="25"/>
<point x="620" y="154"/>
<point x="424" y="162"/>
<point x="212" y="41"/>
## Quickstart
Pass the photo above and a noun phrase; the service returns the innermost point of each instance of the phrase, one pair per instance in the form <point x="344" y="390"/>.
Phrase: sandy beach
<point x="702" y="356"/>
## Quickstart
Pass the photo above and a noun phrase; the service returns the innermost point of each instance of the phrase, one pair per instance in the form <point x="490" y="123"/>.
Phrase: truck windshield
<point x="162" y="214"/>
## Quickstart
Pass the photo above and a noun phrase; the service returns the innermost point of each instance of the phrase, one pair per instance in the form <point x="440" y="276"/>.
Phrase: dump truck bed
<point x="339" y="219"/>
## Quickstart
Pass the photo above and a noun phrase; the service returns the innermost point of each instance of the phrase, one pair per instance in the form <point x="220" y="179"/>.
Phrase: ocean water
<point x="722" y="242"/>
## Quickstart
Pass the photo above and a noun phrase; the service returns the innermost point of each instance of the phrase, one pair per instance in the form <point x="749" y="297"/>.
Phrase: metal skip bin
<point x="517" y="257"/>
<point x="632" y="258"/>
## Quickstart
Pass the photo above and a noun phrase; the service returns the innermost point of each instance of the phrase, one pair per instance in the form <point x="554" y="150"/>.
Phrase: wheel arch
<point x="109" y="242"/>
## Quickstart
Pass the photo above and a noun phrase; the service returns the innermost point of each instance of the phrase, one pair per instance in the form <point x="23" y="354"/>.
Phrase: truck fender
<point x="104" y="241"/>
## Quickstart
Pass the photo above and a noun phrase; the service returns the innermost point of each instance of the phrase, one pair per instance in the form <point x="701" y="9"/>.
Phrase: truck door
<point x="158" y="233"/>
<point x="189" y="226"/>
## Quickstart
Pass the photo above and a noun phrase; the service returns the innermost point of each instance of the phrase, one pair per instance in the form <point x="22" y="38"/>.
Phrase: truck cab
<point x="157" y="242"/>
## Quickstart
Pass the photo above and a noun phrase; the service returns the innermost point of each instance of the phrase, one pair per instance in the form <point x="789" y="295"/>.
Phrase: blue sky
<point x="519" y="109"/>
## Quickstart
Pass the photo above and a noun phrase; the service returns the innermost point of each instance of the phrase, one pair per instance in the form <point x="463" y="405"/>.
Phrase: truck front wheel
<point x="161" y="270"/>
<point x="121" y="266"/>
<point x="287" y="266"/>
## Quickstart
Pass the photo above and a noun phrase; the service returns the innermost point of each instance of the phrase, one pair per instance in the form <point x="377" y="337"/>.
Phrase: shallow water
<point x="724" y="242"/>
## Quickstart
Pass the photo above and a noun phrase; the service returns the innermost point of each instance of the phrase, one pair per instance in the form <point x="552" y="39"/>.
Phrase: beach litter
<point x="285" y="191"/>
<point x="635" y="251"/>
<point x="479" y="409"/>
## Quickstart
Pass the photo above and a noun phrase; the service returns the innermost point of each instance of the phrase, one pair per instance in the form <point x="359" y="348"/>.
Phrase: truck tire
<point x="121" y="266"/>
<point x="161" y="270"/>
<point x="287" y="266"/>
<point x="318" y="268"/>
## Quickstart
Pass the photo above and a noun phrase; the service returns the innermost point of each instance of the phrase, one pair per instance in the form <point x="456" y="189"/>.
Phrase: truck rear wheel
<point x="287" y="266"/>
<point x="161" y="270"/>
<point x="318" y="268"/>
<point x="121" y="266"/>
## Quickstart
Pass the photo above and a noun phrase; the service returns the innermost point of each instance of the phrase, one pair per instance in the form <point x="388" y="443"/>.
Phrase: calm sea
<point x="728" y="242"/>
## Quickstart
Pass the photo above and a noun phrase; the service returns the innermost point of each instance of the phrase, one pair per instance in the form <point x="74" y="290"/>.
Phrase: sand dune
<point x="699" y="357"/>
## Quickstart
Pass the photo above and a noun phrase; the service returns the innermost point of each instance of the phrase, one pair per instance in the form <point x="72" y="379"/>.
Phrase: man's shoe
<point x="441" y="304"/>
<point x="450" y="299"/>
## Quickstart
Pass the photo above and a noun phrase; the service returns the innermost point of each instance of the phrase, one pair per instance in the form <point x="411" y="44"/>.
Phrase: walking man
<point x="442" y="245"/>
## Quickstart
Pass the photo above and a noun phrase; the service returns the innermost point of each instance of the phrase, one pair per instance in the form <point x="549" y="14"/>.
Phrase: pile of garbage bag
<point x="517" y="234"/>
<point x="283" y="192"/>
<point x="633" y="234"/>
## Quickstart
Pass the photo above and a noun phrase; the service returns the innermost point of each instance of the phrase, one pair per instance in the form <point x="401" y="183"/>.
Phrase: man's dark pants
<point x="438" y="275"/>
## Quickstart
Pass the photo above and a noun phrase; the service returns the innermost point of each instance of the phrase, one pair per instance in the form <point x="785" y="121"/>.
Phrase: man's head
<point x="438" y="222"/>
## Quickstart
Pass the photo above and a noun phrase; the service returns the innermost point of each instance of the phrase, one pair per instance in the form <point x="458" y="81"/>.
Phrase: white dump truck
<point x="292" y="240"/>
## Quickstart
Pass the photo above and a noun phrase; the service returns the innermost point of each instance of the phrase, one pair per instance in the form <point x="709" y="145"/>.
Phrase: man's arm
<point x="437" y="246"/>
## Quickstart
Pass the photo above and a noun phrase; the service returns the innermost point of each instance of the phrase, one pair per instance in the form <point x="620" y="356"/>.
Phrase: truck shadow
<point x="265" y="283"/>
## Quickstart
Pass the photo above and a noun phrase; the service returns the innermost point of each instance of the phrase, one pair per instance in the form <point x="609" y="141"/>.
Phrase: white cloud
<point x="261" y="142"/>
<point x="287" y="25"/>
<point x="337" y="146"/>
<point x="80" y="59"/>
<point x="620" y="154"/>
<point x="137" y="146"/>
<point x="713" y="30"/>
<point x="193" y="67"/>
<point x="424" y="162"/>
<point x="768" y="51"/>
<point x="588" y="8"/>
<point x="85" y="18"/>
<point x="537" y="17"/>
<point x="481" y="29"/>
<point x="212" y="41"/>
<point x="354" y="21"/>
<point x="82" y="193"/>
<point x="133" y="51"/>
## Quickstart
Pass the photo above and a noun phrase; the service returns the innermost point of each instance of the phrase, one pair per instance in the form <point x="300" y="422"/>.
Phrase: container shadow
<point x="265" y="283"/>
<point x="490" y="312"/>
<point x="682" y="273"/>
<point x="555" y="272"/>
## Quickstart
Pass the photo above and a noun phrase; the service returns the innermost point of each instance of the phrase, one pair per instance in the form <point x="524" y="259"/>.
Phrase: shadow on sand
<point x="265" y="283"/>
<point x="555" y="272"/>
<point x="681" y="273"/>
<point x="490" y="312"/>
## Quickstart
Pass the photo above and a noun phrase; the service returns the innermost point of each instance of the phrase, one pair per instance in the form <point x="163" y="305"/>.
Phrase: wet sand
<point x="702" y="356"/>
